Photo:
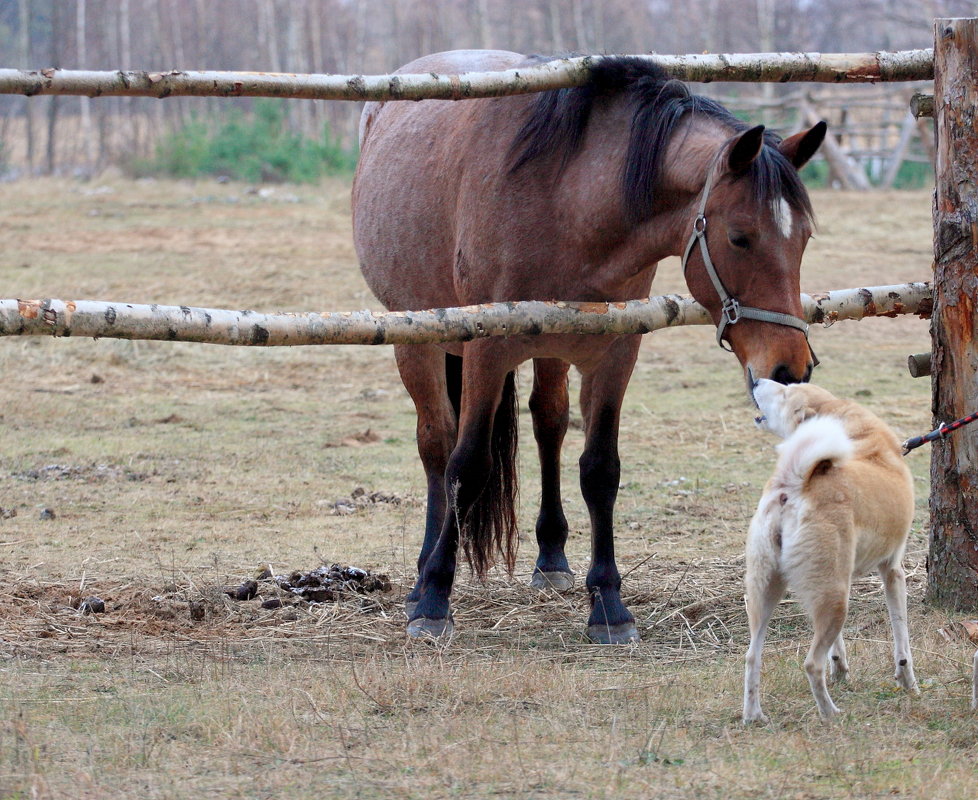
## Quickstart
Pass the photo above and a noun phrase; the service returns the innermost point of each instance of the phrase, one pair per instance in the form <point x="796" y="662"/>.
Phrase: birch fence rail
<point x="906" y="65"/>
<point x="94" y="319"/>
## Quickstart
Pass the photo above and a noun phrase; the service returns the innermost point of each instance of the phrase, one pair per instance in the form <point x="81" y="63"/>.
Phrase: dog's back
<point x="841" y="478"/>
<point x="882" y="486"/>
<point x="803" y="527"/>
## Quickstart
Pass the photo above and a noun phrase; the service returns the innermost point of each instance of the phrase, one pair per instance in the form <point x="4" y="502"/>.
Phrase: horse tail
<point x="490" y="528"/>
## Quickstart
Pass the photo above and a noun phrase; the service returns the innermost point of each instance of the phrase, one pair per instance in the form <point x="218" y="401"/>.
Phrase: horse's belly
<point x="402" y="229"/>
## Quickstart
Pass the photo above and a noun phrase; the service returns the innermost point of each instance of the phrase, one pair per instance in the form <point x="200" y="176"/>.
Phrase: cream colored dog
<point x="839" y="504"/>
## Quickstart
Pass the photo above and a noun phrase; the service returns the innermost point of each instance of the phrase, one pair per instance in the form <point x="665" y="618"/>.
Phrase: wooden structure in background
<point x="872" y="134"/>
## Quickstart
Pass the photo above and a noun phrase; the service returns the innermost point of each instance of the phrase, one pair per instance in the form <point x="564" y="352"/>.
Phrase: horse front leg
<point x="602" y="392"/>
<point x="469" y="481"/>
<point x="429" y="375"/>
<point x="549" y="407"/>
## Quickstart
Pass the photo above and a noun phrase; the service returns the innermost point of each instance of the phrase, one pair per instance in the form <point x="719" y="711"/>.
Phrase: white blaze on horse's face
<point x="781" y="212"/>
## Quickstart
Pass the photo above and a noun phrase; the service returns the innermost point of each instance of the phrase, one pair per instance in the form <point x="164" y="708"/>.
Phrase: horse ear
<point x="802" y="146"/>
<point x="746" y="149"/>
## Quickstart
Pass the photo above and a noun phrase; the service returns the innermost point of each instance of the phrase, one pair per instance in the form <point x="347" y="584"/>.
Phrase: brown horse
<point x="573" y="194"/>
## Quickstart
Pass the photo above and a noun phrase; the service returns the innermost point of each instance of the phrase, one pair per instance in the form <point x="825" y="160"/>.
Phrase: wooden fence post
<point x="952" y="578"/>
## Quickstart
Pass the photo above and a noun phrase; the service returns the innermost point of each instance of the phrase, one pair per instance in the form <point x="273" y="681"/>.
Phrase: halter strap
<point x="731" y="309"/>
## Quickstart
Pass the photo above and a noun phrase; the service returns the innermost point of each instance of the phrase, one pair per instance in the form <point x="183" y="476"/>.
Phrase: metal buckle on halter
<point x="731" y="310"/>
<point x="699" y="225"/>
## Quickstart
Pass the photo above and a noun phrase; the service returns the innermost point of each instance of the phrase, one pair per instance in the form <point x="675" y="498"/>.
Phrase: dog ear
<point x="802" y="413"/>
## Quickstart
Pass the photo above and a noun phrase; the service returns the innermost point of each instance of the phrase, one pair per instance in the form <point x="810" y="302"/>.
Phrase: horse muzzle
<point x="784" y="365"/>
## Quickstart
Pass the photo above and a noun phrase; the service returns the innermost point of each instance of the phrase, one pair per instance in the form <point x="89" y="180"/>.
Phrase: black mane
<point x="558" y="119"/>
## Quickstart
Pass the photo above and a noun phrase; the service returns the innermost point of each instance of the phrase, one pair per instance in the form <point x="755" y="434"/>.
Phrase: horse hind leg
<point x="428" y="374"/>
<point x="479" y="490"/>
<point x="549" y="408"/>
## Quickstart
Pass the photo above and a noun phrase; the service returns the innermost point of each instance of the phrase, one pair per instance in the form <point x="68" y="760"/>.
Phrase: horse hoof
<point x="555" y="581"/>
<point x="623" y="633"/>
<point x="409" y="606"/>
<point x="424" y="628"/>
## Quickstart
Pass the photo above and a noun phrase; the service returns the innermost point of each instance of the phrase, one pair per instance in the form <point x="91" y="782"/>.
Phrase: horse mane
<point x="558" y="119"/>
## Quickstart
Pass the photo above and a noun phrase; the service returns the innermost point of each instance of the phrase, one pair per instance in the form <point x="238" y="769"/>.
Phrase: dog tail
<point x="817" y="445"/>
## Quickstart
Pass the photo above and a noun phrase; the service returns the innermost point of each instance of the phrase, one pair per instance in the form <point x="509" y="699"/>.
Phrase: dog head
<point x="784" y="407"/>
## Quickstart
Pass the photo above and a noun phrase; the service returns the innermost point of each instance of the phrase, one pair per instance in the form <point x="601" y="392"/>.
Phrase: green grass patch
<point x="255" y="147"/>
<point x="910" y="175"/>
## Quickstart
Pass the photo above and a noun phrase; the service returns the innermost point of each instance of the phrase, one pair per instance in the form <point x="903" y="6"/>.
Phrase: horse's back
<point x="450" y="62"/>
<point x="414" y="158"/>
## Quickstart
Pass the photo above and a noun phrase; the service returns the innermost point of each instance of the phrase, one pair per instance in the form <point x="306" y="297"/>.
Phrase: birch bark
<point x="815" y="67"/>
<point x="88" y="318"/>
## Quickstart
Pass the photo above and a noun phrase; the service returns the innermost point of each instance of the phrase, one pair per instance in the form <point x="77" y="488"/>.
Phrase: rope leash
<point x="945" y="430"/>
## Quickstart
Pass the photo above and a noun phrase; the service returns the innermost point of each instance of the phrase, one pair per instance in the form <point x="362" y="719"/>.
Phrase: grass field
<point x="171" y="472"/>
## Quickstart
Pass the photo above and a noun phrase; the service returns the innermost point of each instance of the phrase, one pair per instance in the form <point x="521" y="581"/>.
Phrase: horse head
<point x="742" y="261"/>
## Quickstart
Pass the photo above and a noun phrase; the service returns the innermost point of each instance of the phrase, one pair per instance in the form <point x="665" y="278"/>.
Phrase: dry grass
<point x="175" y="471"/>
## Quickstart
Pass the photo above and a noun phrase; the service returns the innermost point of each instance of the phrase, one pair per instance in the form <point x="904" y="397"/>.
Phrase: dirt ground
<point x="161" y="478"/>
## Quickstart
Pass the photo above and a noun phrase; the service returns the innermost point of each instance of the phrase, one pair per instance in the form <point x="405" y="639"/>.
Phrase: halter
<point x="732" y="311"/>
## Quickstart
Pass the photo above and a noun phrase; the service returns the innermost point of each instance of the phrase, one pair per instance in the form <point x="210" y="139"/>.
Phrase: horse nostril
<point x="782" y="374"/>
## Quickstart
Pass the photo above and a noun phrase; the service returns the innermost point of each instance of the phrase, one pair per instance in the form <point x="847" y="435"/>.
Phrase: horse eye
<point x="739" y="241"/>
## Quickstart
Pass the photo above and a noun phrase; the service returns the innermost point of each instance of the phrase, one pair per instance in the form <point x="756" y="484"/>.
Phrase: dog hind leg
<point x="895" y="590"/>
<point x="838" y="661"/>
<point x="828" y="613"/>
<point x="764" y="592"/>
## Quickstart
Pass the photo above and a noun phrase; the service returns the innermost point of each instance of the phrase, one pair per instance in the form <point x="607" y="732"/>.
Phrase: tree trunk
<point x="126" y="118"/>
<point x="297" y="114"/>
<point x="81" y="43"/>
<point x="25" y="48"/>
<point x="581" y="38"/>
<point x="600" y="42"/>
<point x="765" y="27"/>
<point x="952" y="574"/>
<point x="51" y="155"/>
<point x="315" y="64"/>
<point x="268" y="35"/>
<point x="179" y="57"/>
<point x="556" y="34"/>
